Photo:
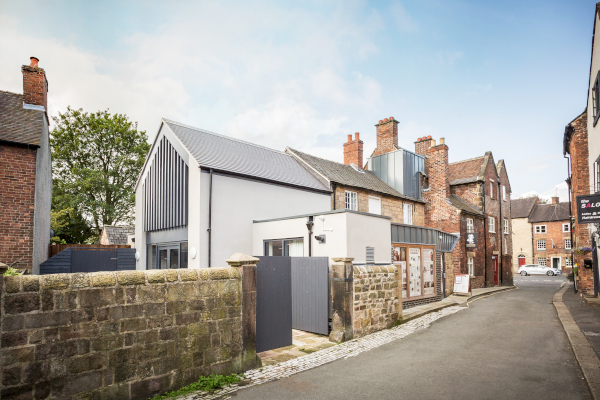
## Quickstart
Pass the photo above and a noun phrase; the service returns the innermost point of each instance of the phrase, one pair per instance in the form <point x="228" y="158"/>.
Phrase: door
<point x="93" y="260"/>
<point x="521" y="261"/>
<point x="168" y="257"/>
<point x="495" y="263"/>
<point x="310" y="294"/>
<point x="556" y="262"/>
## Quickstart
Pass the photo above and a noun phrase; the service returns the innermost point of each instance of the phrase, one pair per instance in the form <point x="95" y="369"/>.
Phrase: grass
<point x="209" y="384"/>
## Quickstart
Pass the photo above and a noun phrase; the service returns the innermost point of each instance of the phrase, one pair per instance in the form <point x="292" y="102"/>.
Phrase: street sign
<point x="462" y="284"/>
<point x="588" y="209"/>
<point x="471" y="240"/>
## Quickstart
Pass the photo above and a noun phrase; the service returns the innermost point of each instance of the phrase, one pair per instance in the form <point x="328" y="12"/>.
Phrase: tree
<point x="96" y="159"/>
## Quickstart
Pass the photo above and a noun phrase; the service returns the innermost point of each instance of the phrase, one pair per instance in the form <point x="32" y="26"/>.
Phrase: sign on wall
<point x="588" y="209"/>
<point x="461" y="284"/>
<point x="414" y="259"/>
<point x="428" y="272"/>
<point x="471" y="240"/>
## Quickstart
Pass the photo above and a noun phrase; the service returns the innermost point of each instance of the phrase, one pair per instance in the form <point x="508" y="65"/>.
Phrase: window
<point x="567" y="244"/>
<point x="506" y="226"/>
<point x="491" y="225"/>
<point x="568" y="262"/>
<point x="351" y="201"/>
<point x="505" y="247"/>
<point x="542" y="261"/>
<point x="470" y="227"/>
<point x="374" y="205"/>
<point x="596" y="187"/>
<point x="540" y="229"/>
<point x="408" y="214"/>
<point x="167" y="255"/>
<point x="285" y="247"/>
<point x="151" y="256"/>
<point x="541" y="245"/>
<point x="567" y="227"/>
<point x="183" y="251"/>
<point x="471" y="266"/>
<point x="370" y="255"/>
<point x="596" y="98"/>
<point x="503" y="192"/>
<point x="491" y="190"/>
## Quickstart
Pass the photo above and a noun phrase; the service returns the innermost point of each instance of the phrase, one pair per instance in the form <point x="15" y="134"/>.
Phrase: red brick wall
<point x="353" y="151"/>
<point x="17" y="199"/>
<point x="580" y="175"/>
<point x="507" y="258"/>
<point x="461" y="253"/>
<point x="387" y="136"/>
<point x="472" y="193"/>
<point x="553" y="232"/>
<point x="423" y="144"/>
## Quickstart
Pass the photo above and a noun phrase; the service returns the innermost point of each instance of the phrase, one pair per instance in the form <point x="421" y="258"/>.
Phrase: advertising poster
<point x="400" y="261"/>
<point x="414" y="256"/>
<point x="461" y="284"/>
<point x="402" y="268"/>
<point x="428" y="272"/>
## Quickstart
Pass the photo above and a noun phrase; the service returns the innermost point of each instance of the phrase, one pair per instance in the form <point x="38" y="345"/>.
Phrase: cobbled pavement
<point x="344" y="350"/>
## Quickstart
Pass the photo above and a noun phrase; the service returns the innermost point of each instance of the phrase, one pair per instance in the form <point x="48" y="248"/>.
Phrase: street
<point x="510" y="345"/>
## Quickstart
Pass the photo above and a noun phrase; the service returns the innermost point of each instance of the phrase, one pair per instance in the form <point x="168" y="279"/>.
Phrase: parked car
<point x="537" y="269"/>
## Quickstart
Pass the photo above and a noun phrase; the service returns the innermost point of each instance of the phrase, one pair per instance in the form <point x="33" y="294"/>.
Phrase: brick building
<point x="575" y="144"/>
<point x="522" y="234"/>
<point x="26" y="178"/>
<point x="470" y="196"/>
<point x="551" y="234"/>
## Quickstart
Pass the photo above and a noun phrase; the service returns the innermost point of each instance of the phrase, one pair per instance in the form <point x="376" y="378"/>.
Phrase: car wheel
<point x="523" y="273"/>
<point x="550" y="273"/>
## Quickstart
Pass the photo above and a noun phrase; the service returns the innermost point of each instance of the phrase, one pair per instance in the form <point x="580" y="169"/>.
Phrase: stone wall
<point x="123" y="335"/>
<point x="376" y="298"/>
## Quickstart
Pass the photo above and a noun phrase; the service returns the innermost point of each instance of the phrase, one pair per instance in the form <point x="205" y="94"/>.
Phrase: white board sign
<point x="462" y="284"/>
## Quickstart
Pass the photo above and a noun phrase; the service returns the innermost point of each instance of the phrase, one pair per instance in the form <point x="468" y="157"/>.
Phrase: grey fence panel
<point x="310" y="299"/>
<point x="273" y="303"/>
<point x="93" y="260"/>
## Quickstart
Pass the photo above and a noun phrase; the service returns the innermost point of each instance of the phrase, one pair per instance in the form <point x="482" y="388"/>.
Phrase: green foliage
<point x="96" y="159"/>
<point x="205" y="383"/>
<point x="10" y="271"/>
<point x="57" y="240"/>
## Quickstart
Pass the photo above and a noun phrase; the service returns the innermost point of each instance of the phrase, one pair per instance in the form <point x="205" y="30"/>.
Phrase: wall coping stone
<point x="375" y="269"/>
<point x="239" y="259"/>
<point x="342" y="259"/>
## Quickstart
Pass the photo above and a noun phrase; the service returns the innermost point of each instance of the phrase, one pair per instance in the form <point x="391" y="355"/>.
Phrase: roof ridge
<point x="6" y="91"/>
<point x="324" y="159"/>
<point x="468" y="159"/>
<point x="223" y="136"/>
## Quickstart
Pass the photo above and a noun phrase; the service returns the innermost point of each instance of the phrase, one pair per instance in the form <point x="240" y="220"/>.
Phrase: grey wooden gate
<point x="92" y="261"/>
<point x="310" y="294"/>
<point x="273" y="303"/>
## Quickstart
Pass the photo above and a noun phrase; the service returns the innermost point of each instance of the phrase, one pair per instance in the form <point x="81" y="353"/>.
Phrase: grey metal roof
<point x="521" y="208"/>
<point x="226" y="154"/>
<point x="463" y="205"/>
<point x="117" y="234"/>
<point x="550" y="212"/>
<point x="348" y="175"/>
<point x="17" y="124"/>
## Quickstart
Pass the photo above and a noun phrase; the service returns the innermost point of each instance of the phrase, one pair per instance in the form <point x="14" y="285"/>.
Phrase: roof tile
<point x="19" y="125"/>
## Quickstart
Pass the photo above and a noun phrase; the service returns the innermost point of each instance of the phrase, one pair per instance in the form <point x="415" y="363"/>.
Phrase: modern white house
<point x="199" y="193"/>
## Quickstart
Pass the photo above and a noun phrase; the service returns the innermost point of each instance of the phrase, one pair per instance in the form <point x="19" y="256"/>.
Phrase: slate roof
<point x="117" y="234"/>
<point x="550" y="213"/>
<point x="521" y="208"/>
<point x="463" y="205"/>
<point x="226" y="154"/>
<point x="348" y="175"/>
<point x="19" y="125"/>
<point x="465" y="171"/>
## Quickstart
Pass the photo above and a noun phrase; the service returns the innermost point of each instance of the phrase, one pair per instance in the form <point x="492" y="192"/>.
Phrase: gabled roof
<point x="18" y="124"/>
<point x="521" y="208"/>
<point x="347" y="175"/>
<point x="225" y="154"/>
<point x="117" y="234"/>
<point x="465" y="171"/>
<point x="464" y="206"/>
<point x="550" y="213"/>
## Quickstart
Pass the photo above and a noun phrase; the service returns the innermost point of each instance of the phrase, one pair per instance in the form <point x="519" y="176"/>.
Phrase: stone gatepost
<point x="247" y="266"/>
<point x="342" y="294"/>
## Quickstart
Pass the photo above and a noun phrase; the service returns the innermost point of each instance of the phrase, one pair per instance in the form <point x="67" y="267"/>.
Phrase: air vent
<point x="370" y="255"/>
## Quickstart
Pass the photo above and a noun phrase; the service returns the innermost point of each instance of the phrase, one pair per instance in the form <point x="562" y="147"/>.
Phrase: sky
<point x="505" y="77"/>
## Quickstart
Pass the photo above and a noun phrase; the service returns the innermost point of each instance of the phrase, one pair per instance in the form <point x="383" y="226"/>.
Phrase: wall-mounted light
<point x="137" y="256"/>
<point x="193" y="252"/>
<point x="320" y="238"/>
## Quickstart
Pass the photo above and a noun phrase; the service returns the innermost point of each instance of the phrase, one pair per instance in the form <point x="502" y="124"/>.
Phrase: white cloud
<point x="560" y="190"/>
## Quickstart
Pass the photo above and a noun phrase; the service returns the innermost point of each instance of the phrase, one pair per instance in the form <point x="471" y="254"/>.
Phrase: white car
<point x="536" y="269"/>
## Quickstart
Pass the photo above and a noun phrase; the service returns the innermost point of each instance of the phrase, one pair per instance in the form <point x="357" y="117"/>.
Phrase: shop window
<point x="400" y="261"/>
<point x="417" y="269"/>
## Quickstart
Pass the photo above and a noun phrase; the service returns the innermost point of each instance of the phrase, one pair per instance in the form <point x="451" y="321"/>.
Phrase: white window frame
<point x="491" y="225"/>
<point x="568" y="262"/>
<point x="407" y="212"/>
<point x="471" y="266"/>
<point x="506" y="229"/>
<point x="540" y="228"/>
<point x="542" y="261"/>
<point x="378" y="199"/>
<point x="491" y="190"/>
<point x="503" y="193"/>
<point x="541" y="244"/>
<point x="351" y="200"/>
<point x="566" y="227"/>
<point x="568" y="243"/>
<point x="470" y="225"/>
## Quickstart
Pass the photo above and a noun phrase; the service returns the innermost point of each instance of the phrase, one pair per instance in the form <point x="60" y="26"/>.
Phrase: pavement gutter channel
<point x="584" y="353"/>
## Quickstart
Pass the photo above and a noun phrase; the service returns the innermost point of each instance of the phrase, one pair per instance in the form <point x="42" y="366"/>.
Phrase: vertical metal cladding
<point x="165" y="190"/>
<point x="400" y="169"/>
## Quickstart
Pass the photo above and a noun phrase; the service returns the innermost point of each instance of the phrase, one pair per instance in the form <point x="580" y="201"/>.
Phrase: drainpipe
<point x="485" y="233"/>
<point x="210" y="215"/>
<point x="309" y="225"/>
<point x="333" y="187"/>
<point x="568" y="180"/>
<point x="501" y="222"/>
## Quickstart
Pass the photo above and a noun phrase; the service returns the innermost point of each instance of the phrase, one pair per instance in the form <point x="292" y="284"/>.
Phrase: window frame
<point x="505" y="246"/>
<point x="506" y="227"/>
<point x="596" y="98"/>
<point x="570" y="244"/>
<point x="503" y="193"/>
<point x="408" y="214"/>
<point x="543" y="247"/>
<point x="284" y="247"/>
<point x="470" y="225"/>
<point x="542" y="229"/>
<point x="491" y="225"/>
<point x="351" y="198"/>
<point x="539" y="261"/>
<point x="568" y="262"/>
<point x="491" y="190"/>
<point x="405" y="277"/>
<point x="568" y="225"/>
<point x="471" y="266"/>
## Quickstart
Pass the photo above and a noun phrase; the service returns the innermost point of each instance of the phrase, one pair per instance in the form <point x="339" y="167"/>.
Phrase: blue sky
<point x="501" y="76"/>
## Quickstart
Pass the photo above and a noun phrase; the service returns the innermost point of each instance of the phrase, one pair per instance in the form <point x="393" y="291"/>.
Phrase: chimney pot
<point x="442" y="140"/>
<point x="34" y="61"/>
<point x="391" y="118"/>
<point x="357" y="136"/>
<point x="429" y="137"/>
<point x="380" y="121"/>
<point x="349" y="138"/>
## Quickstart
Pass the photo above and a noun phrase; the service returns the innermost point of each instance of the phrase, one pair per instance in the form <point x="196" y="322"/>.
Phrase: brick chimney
<point x="423" y="144"/>
<point x="387" y="136"/>
<point x="554" y="200"/>
<point x="353" y="151"/>
<point x="436" y="207"/>
<point x="35" y="84"/>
